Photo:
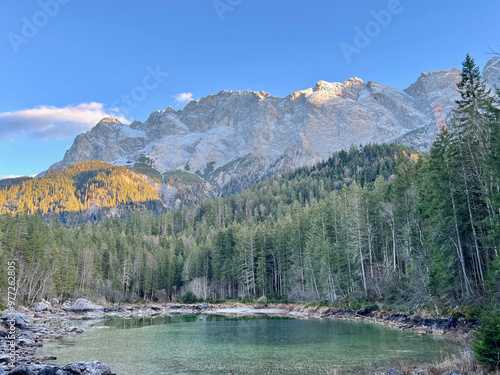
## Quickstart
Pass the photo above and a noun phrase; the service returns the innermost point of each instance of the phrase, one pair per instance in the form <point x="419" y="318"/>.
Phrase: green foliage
<point x="262" y="300"/>
<point x="189" y="297"/>
<point x="487" y="341"/>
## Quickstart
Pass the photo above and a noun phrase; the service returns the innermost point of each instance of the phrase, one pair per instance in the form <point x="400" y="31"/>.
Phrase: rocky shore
<point x="45" y="322"/>
<point x="20" y="339"/>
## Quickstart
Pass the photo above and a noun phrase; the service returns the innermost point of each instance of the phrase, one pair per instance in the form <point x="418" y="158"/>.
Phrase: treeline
<point x="378" y="222"/>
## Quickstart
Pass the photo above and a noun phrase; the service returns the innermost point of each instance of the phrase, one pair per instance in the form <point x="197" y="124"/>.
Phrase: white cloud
<point x="44" y="123"/>
<point x="183" y="98"/>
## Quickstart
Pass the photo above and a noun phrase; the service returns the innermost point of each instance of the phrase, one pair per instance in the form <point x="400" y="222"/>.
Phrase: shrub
<point x="262" y="300"/>
<point x="487" y="341"/>
<point x="189" y="297"/>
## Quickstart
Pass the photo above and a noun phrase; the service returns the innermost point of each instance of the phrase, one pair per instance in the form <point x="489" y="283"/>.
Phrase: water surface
<point x="205" y="344"/>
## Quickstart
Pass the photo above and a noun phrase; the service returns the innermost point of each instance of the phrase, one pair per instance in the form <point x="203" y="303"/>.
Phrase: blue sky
<point x="64" y="64"/>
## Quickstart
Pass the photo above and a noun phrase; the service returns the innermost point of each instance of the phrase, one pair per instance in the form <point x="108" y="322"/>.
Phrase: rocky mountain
<point x="234" y="137"/>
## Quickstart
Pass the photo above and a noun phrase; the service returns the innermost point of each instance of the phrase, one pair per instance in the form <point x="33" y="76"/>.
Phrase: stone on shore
<point x="49" y="370"/>
<point x="88" y="368"/>
<point x="82" y="305"/>
<point x="21" y="320"/>
<point x="42" y="306"/>
<point x="22" y="370"/>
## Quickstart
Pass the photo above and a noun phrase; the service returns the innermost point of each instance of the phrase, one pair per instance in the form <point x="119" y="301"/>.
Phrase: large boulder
<point x="21" y="320"/>
<point x="88" y="368"/>
<point x="42" y="306"/>
<point x="82" y="305"/>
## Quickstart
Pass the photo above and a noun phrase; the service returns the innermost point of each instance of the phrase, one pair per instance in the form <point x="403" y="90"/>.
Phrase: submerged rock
<point x="393" y="372"/>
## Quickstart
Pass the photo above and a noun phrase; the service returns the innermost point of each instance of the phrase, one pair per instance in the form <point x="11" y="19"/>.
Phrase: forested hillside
<point x="80" y="189"/>
<point x="377" y="223"/>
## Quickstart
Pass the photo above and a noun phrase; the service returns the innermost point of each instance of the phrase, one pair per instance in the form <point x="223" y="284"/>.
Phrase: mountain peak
<point x="336" y="87"/>
<point x="243" y="133"/>
<point x="107" y="120"/>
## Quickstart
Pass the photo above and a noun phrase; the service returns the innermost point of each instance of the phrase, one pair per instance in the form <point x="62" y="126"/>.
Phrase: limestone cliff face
<point x="235" y="133"/>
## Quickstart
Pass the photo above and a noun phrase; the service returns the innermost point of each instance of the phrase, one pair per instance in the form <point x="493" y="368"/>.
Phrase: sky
<point x="65" y="64"/>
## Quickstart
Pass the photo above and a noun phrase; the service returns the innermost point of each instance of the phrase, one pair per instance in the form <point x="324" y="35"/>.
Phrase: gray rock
<point x="53" y="370"/>
<point x="42" y="306"/>
<point x="2" y="371"/>
<point x="82" y="305"/>
<point x="22" y="370"/>
<point x="88" y="368"/>
<point x="49" y="370"/>
<point x="393" y="372"/>
<point x="204" y="306"/>
<point x="21" y="320"/>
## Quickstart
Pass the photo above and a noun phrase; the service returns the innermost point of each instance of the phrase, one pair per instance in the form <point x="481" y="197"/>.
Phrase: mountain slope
<point x="234" y="138"/>
<point x="83" y="188"/>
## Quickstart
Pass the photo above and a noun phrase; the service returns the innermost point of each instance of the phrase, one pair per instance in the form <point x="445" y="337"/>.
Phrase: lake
<point x="211" y="344"/>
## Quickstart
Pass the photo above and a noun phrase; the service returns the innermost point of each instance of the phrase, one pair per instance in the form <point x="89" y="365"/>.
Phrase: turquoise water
<point x="203" y="344"/>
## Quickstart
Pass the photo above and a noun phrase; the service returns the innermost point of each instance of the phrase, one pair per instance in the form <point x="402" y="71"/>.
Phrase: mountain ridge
<point x="222" y="132"/>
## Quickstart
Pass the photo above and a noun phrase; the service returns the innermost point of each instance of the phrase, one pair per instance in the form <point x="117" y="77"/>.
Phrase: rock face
<point x="233" y="134"/>
<point x="491" y="72"/>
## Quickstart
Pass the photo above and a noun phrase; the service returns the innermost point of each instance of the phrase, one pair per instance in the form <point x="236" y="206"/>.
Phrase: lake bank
<point x="58" y="324"/>
<point x="423" y="322"/>
<point x="257" y="344"/>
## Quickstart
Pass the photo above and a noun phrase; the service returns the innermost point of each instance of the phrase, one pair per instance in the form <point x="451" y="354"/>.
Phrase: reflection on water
<point x="211" y="344"/>
<point x="140" y="322"/>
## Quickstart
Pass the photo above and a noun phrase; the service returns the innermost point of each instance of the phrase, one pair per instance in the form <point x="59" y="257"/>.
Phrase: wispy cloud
<point x="44" y="123"/>
<point x="183" y="98"/>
